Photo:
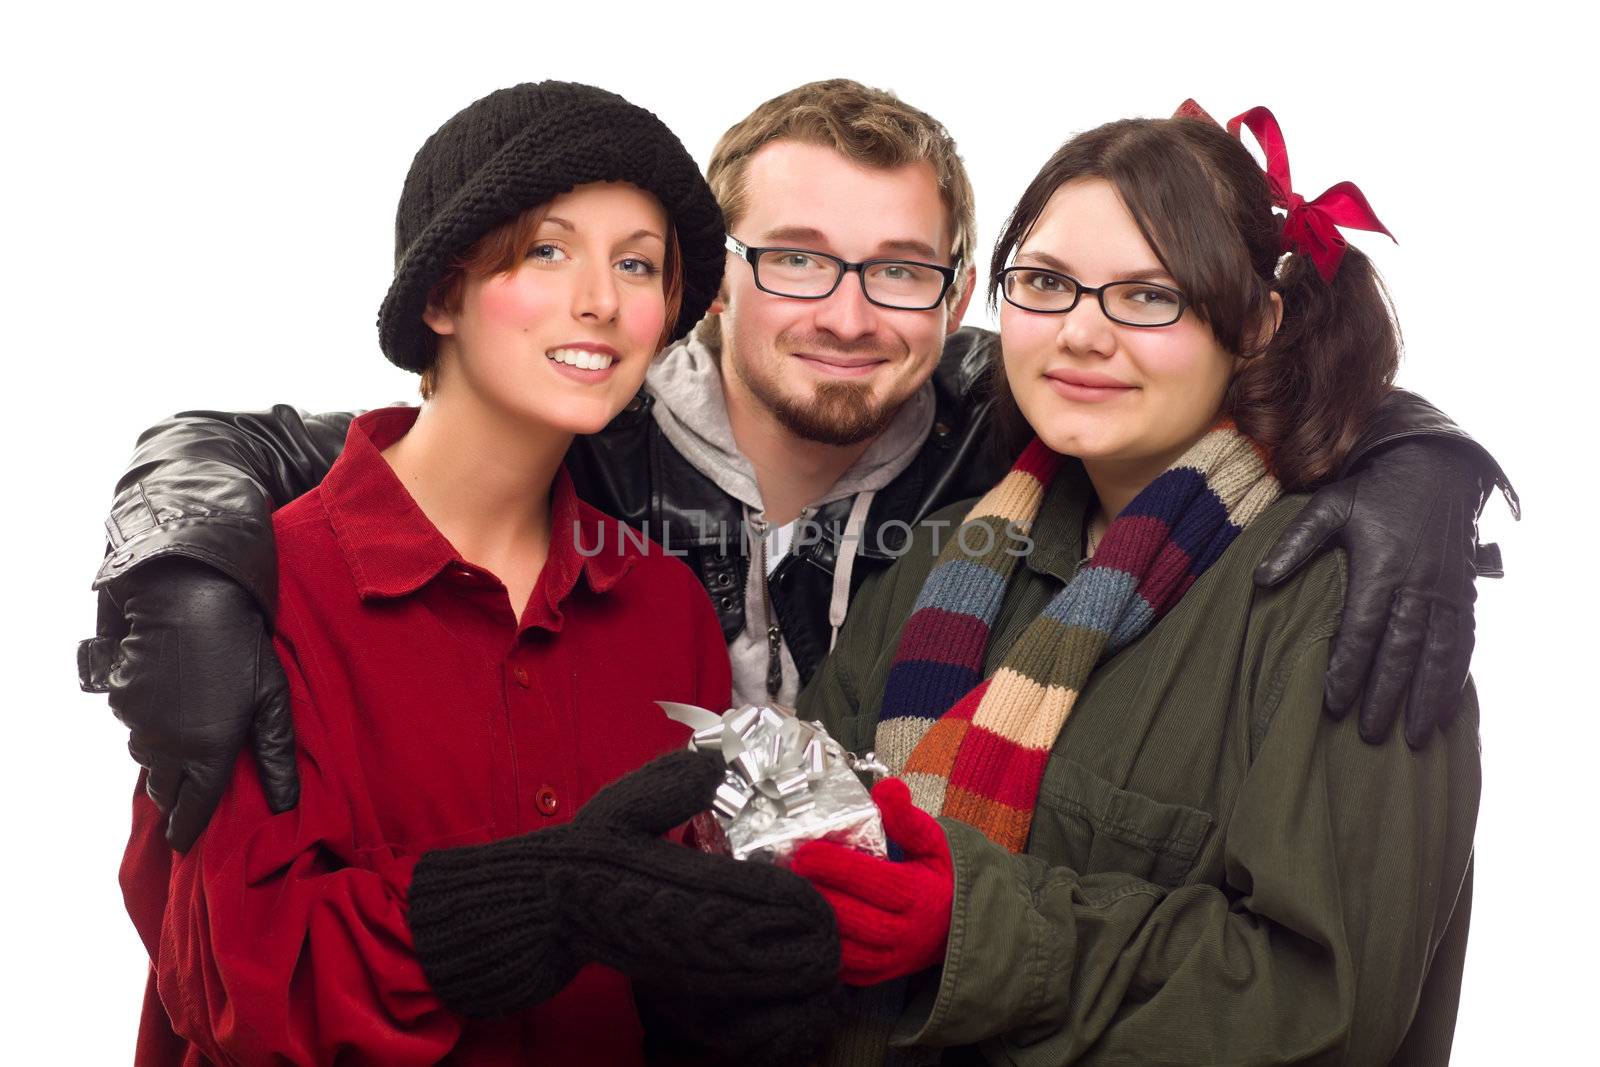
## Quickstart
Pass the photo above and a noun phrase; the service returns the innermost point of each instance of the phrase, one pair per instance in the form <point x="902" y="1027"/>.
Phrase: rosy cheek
<point x="516" y="301"/>
<point x="1026" y="336"/>
<point x="1172" y="354"/>
<point x="643" y="317"/>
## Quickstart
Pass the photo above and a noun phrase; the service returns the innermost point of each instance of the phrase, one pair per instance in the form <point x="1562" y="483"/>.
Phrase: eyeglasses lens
<point x="1131" y="303"/>
<point x="895" y="283"/>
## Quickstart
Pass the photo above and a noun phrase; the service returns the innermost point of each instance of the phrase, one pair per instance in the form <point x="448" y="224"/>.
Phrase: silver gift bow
<point x="767" y="752"/>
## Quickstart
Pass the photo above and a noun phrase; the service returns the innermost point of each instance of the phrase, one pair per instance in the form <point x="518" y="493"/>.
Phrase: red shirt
<point x="426" y="716"/>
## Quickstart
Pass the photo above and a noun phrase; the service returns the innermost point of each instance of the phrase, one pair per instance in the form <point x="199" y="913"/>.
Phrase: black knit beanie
<point x="515" y="149"/>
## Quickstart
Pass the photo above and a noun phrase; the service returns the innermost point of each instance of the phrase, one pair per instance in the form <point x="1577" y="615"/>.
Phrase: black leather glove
<point x="186" y="656"/>
<point x="1406" y="517"/>
<point x="504" y="925"/>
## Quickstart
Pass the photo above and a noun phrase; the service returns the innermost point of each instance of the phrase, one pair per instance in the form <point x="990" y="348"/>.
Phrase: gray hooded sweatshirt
<point x="692" y="412"/>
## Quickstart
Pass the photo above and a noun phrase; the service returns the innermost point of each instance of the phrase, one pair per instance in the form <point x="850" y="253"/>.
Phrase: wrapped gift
<point x="787" y="783"/>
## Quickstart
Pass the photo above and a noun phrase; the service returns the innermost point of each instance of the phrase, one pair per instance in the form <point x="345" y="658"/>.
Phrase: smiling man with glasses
<point x="828" y="401"/>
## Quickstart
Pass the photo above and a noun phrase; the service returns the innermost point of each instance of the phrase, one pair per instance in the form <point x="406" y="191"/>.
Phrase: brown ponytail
<point x="1310" y="393"/>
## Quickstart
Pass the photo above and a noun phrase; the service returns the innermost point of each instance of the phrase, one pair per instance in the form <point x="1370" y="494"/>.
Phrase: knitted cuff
<point x="486" y="925"/>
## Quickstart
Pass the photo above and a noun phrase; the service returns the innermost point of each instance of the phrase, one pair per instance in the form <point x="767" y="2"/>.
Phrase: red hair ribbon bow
<point x="1311" y="227"/>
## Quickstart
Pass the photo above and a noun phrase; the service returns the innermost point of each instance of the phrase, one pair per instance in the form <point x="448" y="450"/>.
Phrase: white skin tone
<point x="503" y="412"/>
<point x="1126" y="400"/>
<point x="859" y="360"/>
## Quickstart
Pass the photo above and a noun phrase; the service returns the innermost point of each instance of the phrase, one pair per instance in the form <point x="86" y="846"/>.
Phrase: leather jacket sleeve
<point x="1405" y="416"/>
<point x="203" y="484"/>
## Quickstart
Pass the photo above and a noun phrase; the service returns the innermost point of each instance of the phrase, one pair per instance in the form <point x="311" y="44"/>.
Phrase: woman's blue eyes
<point x="643" y="268"/>
<point x="633" y="266"/>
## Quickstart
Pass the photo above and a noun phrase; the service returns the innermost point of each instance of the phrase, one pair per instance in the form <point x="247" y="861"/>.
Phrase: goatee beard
<point x="837" y="414"/>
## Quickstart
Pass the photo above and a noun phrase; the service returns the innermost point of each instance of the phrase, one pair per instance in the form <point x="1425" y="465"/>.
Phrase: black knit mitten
<point x="504" y="925"/>
<point x="680" y="1028"/>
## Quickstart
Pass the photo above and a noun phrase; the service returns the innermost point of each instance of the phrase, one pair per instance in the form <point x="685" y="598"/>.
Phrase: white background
<point x="198" y="210"/>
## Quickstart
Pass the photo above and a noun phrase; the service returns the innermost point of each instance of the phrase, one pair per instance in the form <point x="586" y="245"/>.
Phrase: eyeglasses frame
<point x="751" y="253"/>
<point x="1098" y="292"/>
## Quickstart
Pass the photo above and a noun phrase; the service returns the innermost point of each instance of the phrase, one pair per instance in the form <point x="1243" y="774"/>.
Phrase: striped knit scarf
<point x="976" y="749"/>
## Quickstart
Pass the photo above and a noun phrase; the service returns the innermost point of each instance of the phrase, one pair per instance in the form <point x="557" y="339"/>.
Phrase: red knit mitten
<point x="893" y="917"/>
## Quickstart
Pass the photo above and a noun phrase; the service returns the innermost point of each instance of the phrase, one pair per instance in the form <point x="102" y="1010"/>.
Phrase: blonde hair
<point x="872" y="127"/>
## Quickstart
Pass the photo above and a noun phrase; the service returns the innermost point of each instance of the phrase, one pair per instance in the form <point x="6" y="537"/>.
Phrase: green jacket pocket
<point x="1084" y="822"/>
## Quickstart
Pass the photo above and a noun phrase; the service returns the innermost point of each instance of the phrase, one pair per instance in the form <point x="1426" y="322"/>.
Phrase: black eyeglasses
<point x="1130" y="303"/>
<point x="805" y="274"/>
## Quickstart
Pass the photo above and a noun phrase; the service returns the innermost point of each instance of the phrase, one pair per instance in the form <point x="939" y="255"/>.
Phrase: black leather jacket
<point x="203" y="484"/>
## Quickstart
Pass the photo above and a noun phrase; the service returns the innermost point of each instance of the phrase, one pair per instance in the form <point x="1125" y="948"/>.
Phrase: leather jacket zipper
<point x="758" y="524"/>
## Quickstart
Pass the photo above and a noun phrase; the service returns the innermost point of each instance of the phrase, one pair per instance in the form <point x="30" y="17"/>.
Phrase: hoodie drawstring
<point x="844" y="563"/>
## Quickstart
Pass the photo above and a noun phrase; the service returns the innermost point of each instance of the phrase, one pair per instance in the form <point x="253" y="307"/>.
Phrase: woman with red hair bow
<point x="1129" y="832"/>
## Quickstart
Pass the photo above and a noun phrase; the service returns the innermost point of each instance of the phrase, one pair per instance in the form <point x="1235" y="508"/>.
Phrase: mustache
<point x="827" y="345"/>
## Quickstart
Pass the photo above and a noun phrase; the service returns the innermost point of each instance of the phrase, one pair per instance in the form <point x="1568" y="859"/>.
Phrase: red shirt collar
<point x="393" y="549"/>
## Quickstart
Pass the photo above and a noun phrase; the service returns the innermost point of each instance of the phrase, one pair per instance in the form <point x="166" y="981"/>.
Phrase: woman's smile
<point x="1087" y="386"/>
<point x="584" y="361"/>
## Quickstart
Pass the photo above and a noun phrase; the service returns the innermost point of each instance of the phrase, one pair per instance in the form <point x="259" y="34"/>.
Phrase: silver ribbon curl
<point x="784" y="766"/>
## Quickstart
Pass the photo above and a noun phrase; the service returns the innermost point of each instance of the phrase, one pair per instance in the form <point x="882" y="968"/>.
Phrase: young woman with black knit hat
<point x="472" y="654"/>
<point x="1151" y="844"/>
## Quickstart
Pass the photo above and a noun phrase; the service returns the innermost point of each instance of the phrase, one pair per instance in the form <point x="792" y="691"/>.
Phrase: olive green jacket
<point x="1218" y="872"/>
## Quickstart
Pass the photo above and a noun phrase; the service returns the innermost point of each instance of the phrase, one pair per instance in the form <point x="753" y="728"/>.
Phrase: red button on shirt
<point x="285" y="936"/>
<point x="548" y="802"/>
<point x="521" y="675"/>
